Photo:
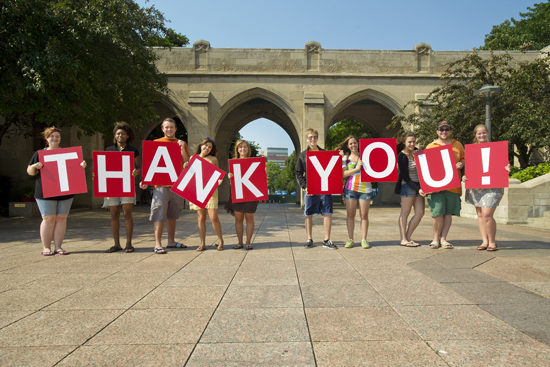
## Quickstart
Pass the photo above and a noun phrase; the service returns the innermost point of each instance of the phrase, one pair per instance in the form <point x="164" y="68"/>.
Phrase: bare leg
<point x="419" y="205"/>
<point x="447" y="220"/>
<point x="249" y="227"/>
<point x="327" y="224"/>
<point x="239" y="219"/>
<point x="59" y="231"/>
<point x="309" y="227"/>
<point x="171" y="231"/>
<point x="46" y="232"/>
<point x="406" y="205"/>
<point x="364" y="209"/>
<point x="351" y="210"/>
<point x="437" y="224"/>
<point x="115" y="224"/>
<point x="201" y="215"/>
<point x="213" y="214"/>
<point x="128" y="223"/>
<point x="490" y="226"/>
<point x="158" y="226"/>
<point x="482" y="231"/>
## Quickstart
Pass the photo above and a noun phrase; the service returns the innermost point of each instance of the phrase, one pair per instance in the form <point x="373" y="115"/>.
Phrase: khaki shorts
<point x="165" y="205"/>
<point x="444" y="203"/>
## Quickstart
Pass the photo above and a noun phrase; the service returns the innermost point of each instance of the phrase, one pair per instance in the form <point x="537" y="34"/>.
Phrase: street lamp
<point x="488" y="92"/>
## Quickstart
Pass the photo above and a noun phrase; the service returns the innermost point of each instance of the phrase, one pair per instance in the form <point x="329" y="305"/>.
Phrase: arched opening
<point x="261" y="118"/>
<point x="373" y="112"/>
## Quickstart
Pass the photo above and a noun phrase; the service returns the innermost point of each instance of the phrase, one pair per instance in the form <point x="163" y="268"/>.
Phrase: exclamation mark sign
<point x="485" y="155"/>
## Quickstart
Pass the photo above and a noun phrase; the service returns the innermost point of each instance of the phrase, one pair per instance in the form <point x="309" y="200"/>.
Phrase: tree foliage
<point x="532" y="32"/>
<point x="287" y="177"/>
<point x="86" y="63"/>
<point x="338" y="132"/>
<point x="520" y="114"/>
<point x="273" y="171"/>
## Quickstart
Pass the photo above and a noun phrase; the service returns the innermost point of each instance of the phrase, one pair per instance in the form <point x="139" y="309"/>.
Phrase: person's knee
<point x="49" y="219"/>
<point x="60" y="218"/>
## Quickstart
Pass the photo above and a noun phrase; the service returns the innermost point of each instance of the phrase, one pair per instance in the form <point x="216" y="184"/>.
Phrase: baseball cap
<point x="444" y="123"/>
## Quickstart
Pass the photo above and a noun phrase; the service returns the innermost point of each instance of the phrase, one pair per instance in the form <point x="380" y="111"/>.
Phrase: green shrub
<point x="530" y="172"/>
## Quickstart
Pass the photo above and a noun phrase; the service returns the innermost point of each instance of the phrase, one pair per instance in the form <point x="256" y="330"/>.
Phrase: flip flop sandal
<point x="238" y="247"/>
<point x="177" y="245"/>
<point x="489" y="248"/>
<point x="113" y="249"/>
<point x="248" y="247"/>
<point x="434" y="245"/>
<point x="61" y="252"/>
<point x="159" y="250"/>
<point x="129" y="249"/>
<point x="447" y="245"/>
<point x="481" y="248"/>
<point x="50" y="253"/>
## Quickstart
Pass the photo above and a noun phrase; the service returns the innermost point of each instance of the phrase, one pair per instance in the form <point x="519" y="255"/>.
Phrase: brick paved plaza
<point x="279" y="304"/>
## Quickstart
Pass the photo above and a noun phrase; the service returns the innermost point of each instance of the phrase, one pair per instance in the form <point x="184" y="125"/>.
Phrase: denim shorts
<point x="408" y="192"/>
<point x="317" y="204"/>
<point x="107" y="202"/>
<point x="54" y="207"/>
<point x="357" y="196"/>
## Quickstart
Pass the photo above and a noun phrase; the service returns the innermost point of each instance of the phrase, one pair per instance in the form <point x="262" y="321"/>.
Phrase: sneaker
<point x="349" y="243"/>
<point x="329" y="244"/>
<point x="309" y="244"/>
<point x="365" y="244"/>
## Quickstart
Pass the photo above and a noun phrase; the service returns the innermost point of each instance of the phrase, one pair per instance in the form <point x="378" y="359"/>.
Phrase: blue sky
<point x="455" y="25"/>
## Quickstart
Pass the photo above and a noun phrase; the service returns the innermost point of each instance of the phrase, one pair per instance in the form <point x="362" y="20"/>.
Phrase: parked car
<point x="284" y="193"/>
<point x="278" y="192"/>
<point x="293" y="193"/>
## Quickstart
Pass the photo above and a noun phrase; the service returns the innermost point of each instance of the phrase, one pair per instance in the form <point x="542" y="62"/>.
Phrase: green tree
<point x="273" y="171"/>
<point x="86" y="63"/>
<point x="532" y="32"/>
<point x="338" y="132"/>
<point x="520" y="114"/>
<point x="287" y="177"/>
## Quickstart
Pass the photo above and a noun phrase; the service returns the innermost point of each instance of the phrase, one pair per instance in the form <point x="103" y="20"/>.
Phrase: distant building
<point x="277" y="155"/>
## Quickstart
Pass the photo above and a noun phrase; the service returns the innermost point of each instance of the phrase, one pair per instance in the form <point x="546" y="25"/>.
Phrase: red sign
<point x="249" y="181"/>
<point x="324" y="172"/>
<point x="379" y="158"/>
<point x="113" y="174"/>
<point x="485" y="165"/>
<point x="58" y="163"/>
<point x="189" y="184"/>
<point x="437" y="169"/>
<point x="161" y="163"/>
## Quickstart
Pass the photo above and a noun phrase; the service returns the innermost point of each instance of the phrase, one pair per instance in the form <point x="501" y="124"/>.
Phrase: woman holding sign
<point x="123" y="134"/>
<point x="408" y="186"/>
<point x="54" y="210"/>
<point x="355" y="191"/>
<point x="242" y="210"/>
<point x="207" y="150"/>
<point x="485" y="201"/>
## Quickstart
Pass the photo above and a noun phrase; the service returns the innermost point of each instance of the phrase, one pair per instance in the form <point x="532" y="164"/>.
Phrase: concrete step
<point x="542" y="222"/>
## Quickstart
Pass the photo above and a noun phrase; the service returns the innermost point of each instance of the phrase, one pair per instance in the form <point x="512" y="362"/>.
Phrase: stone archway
<point x="240" y="110"/>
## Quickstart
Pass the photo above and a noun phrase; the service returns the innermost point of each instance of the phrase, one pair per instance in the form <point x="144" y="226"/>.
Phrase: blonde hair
<point x="311" y="130"/>
<point x="238" y="144"/>
<point x="476" y="129"/>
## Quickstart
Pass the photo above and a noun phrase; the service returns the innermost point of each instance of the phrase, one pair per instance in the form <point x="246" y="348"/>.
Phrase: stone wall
<point x="522" y="202"/>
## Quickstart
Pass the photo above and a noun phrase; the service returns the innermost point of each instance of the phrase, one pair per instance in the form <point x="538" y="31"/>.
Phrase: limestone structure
<point x="217" y="91"/>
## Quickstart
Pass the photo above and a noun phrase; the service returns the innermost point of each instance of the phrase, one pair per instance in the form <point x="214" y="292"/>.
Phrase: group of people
<point x="166" y="206"/>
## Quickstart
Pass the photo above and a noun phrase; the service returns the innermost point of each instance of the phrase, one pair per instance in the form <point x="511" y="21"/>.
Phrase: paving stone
<point x="248" y="354"/>
<point x="255" y="325"/>
<point x="33" y="356"/>
<point x="245" y="297"/>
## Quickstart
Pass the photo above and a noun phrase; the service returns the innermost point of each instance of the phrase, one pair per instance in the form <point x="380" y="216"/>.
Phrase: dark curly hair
<point x="121" y="125"/>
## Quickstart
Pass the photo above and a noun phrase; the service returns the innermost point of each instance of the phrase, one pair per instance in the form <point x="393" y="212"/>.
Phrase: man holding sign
<point x="444" y="204"/>
<point x="166" y="205"/>
<point x="314" y="204"/>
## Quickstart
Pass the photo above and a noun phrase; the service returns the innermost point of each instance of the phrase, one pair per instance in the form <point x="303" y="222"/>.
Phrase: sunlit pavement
<point x="278" y="304"/>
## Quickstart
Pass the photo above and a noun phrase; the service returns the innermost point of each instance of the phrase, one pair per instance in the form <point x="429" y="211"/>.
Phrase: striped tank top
<point x="354" y="182"/>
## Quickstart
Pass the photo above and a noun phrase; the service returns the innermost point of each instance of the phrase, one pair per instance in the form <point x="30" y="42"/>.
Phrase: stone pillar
<point x="314" y="117"/>
<point x="197" y="118"/>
